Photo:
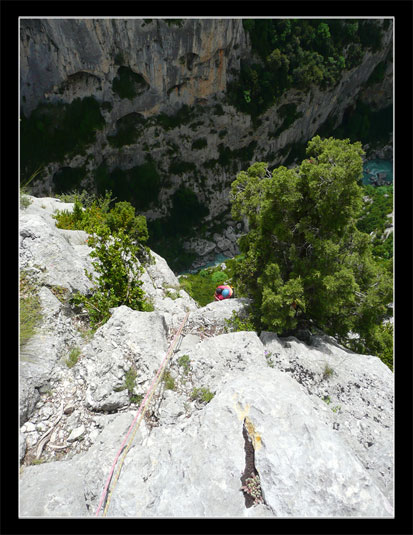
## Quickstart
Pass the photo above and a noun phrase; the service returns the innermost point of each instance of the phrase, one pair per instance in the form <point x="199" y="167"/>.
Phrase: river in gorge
<point x="378" y="172"/>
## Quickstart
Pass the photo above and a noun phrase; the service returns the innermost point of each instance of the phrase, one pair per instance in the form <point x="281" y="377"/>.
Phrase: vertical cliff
<point x="178" y="62"/>
<point x="143" y="108"/>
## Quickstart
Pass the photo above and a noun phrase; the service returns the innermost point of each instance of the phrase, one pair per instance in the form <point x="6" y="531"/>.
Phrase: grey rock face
<point x="52" y="260"/>
<point x="130" y="340"/>
<point x="291" y="444"/>
<point x="297" y="446"/>
<point x="216" y="314"/>
<point x="358" y="391"/>
<point x="55" y="258"/>
<point x="38" y="357"/>
<point x="214" y="358"/>
<point x="163" y="289"/>
<point x="80" y="57"/>
<point x="54" y="492"/>
<point x="183" y="470"/>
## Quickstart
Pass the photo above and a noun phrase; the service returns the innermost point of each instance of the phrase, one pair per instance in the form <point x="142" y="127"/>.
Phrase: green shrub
<point x="85" y="197"/>
<point x="122" y="216"/>
<point x="202" y="394"/>
<point x="118" y="238"/>
<point x="239" y="323"/>
<point x="184" y="363"/>
<point x="328" y="372"/>
<point x="168" y="380"/>
<point x="130" y="379"/>
<point x="118" y="276"/>
<point x="307" y="260"/>
<point x="129" y="385"/>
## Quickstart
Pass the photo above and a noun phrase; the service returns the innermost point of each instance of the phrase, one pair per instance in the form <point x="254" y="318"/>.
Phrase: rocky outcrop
<point x="55" y="257"/>
<point x="217" y="245"/>
<point x="312" y="421"/>
<point x="55" y="260"/>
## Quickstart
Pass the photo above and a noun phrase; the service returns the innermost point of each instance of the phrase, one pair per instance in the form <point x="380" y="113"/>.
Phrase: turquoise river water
<point x="378" y="172"/>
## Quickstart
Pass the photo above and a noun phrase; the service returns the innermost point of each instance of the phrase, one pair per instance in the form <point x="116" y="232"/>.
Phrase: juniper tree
<point x="304" y="258"/>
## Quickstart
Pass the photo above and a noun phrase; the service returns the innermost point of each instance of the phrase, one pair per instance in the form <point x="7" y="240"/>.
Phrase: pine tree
<point x="304" y="258"/>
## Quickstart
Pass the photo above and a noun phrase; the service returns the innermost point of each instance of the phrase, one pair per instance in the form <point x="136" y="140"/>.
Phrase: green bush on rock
<point x="117" y="237"/>
<point x="118" y="280"/>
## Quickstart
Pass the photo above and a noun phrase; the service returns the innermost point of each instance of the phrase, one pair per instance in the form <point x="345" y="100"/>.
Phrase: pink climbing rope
<point x="138" y="413"/>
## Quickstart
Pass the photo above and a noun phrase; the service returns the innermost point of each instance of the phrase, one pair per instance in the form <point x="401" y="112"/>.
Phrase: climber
<point x="224" y="292"/>
<point x="295" y="306"/>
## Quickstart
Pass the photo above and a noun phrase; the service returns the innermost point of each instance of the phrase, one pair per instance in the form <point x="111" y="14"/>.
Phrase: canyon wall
<point x="180" y="62"/>
<point x="170" y="64"/>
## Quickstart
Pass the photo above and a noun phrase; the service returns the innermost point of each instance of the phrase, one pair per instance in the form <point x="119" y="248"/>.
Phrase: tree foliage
<point x="305" y="260"/>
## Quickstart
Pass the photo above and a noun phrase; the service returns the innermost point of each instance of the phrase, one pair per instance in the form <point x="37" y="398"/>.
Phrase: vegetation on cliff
<point x="299" y="53"/>
<point x="308" y="243"/>
<point x="55" y="130"/>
